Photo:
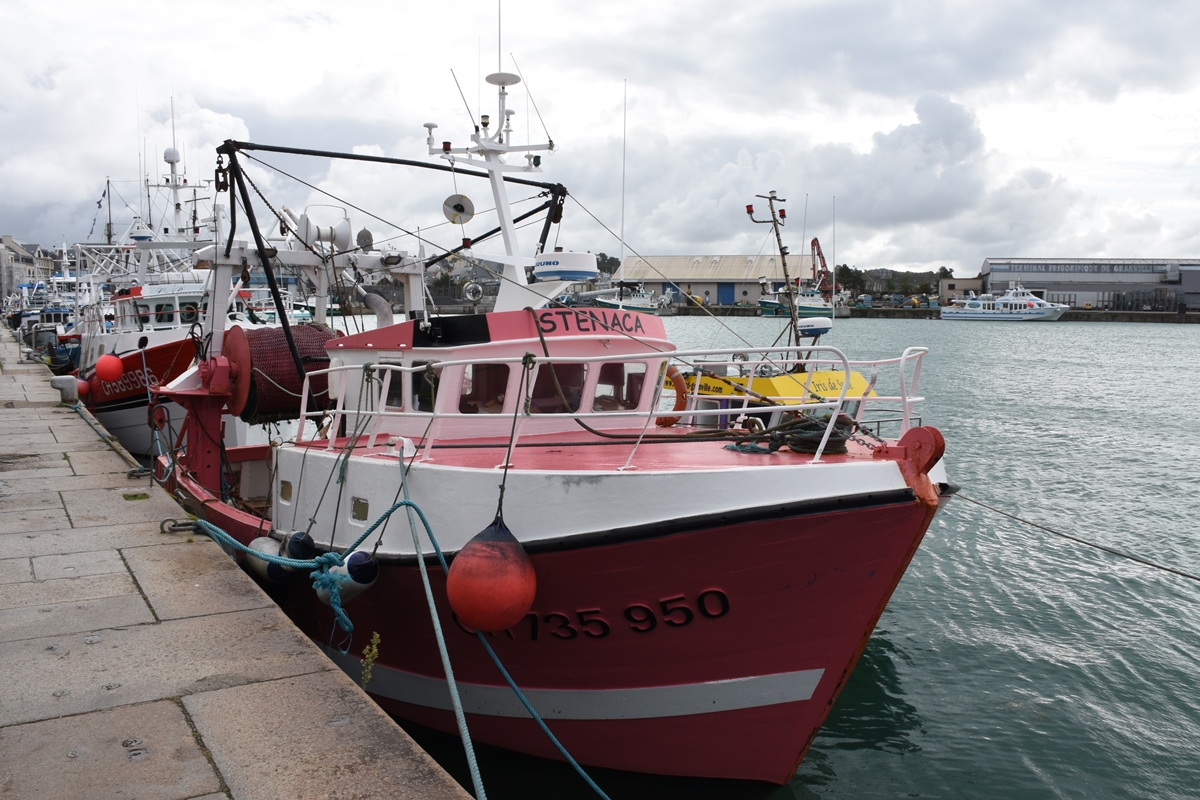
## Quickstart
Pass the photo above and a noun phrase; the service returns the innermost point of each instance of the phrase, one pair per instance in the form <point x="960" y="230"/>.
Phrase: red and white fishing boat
<point x="147" y="330"/>
<point x="144" y="296"/>
<point x="680" y="594"/>
<point x="141" y="336"/>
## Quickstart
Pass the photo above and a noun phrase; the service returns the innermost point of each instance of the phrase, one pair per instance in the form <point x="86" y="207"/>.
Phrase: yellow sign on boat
<point x="794" y="387"/>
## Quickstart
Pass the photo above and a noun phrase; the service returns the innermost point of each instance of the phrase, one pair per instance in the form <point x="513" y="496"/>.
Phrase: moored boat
<point x="677" y="590"/>
<point x="634" y="298"/>
<point x="799" y="297"/>
<point x="140" y="336"/>
<point x="805" y="302"/>
<point x="1017" y="304"/>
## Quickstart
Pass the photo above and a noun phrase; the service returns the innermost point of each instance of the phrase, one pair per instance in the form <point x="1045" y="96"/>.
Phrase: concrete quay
<point x="138" y="664"/>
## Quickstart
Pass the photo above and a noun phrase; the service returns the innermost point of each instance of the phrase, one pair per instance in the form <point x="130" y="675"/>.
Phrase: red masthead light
<point x="783" y="213"/>
<point x="445" y="147"/>
<point x="750" y="209"/>
<point x="467" y="243"/>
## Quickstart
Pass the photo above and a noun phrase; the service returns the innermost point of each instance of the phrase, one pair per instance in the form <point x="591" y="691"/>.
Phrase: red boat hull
<point x="712" y="652"/>
<point x="121" y="406"/>
<point x="141" y="369"/>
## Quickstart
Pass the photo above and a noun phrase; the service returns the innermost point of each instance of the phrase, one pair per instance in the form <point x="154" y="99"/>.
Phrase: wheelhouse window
<point x="558" y="389"/>
<point x="164" y="313"/>
<point x="394" y="401"/>
<point x="619" y="386"/>
<point x="484" y="388"/>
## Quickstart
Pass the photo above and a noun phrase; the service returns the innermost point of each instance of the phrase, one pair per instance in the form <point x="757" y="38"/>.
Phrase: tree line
<point x="889" y="281"/>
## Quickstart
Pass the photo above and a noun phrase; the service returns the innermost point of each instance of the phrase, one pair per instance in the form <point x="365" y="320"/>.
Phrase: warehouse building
<point x="716" y="280"/>
<point x="1115" y="284"/>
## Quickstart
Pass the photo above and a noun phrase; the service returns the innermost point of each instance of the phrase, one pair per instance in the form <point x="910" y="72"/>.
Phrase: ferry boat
<point x="1017" y="304"/>
<point x="674" y="589"/>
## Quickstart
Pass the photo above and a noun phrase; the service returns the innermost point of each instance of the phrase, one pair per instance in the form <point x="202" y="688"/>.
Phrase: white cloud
<point x="948" y="131"/>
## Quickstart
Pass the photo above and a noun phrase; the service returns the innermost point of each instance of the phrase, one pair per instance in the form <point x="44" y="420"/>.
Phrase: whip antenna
<point x="464" y="99"/>
<point x="529" y="93"/>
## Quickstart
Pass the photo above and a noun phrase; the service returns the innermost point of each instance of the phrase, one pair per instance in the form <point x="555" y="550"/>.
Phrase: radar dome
<point x="560" y="266"/>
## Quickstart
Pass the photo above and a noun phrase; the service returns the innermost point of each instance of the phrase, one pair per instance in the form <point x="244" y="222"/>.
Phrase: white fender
<point x="354" y="576"/>
<point x="272" y="573"/>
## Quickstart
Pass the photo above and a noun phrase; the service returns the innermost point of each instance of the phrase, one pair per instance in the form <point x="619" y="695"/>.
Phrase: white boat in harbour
<point x="806" y="302"/>
<point x="637" y="298"/>
<point x="1017" y="304"/>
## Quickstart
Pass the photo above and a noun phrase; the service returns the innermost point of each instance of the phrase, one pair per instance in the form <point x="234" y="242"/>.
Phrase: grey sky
<point x="947" y="131"/>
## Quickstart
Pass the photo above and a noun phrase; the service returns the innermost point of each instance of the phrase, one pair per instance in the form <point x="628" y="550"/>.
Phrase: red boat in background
<point x="142" y="336"/>
<point x="677" y="584"/>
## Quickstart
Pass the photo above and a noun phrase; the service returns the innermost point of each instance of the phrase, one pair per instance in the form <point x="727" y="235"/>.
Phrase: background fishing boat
<point x="634" y="297"/>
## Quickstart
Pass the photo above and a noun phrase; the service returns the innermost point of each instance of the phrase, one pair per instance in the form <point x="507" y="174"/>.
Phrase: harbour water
<point x="1012" y="662"/>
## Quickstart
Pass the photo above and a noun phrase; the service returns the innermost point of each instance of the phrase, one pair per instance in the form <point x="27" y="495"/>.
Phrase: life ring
<point x="681" y="393"/>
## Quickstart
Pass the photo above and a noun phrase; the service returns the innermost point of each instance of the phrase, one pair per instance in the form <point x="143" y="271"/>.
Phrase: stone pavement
<point x="146" y="665"/>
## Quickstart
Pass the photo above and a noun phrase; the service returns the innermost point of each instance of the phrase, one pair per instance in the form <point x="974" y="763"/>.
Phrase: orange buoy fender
<point x="109" y="368"/>
<point x="491" y="583"/>
<point x="83" y="387"/>
<point x="681" y="400"/>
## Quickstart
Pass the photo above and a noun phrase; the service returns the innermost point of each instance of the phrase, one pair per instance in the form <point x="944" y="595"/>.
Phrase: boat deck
<point x="671" y="451"/>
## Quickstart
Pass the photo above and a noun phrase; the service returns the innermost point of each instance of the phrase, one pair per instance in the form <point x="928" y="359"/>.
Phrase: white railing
<point x="874" y="394"/>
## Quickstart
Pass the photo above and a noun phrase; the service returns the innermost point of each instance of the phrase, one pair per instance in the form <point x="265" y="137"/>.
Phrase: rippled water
<point x="1011" y="662"/>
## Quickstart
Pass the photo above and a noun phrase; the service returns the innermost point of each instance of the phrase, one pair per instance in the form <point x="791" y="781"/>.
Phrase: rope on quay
<point x="1122" y="554"/>
<point x="322" y="579"/>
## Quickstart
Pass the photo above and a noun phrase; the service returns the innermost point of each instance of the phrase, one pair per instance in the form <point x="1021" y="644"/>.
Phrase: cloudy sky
<point x="908" y="135"/>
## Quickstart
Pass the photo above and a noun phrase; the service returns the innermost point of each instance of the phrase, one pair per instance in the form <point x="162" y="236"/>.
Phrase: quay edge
<point x="145" y="664"/>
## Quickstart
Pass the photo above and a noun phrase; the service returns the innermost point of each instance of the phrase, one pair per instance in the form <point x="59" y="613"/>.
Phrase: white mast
<point x="487" y="152"/>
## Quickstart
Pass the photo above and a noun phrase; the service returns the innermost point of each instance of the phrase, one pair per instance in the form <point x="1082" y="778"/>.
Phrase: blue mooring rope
<point x="322" y="579"/>
<point x="508" y="678"/>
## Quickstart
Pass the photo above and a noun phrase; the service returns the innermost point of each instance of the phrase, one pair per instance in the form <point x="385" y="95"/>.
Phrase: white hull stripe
<point x="648" y="702"/>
